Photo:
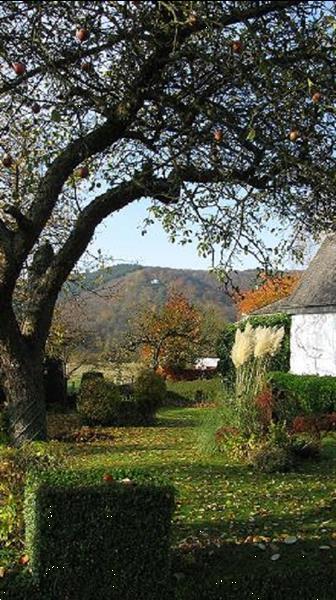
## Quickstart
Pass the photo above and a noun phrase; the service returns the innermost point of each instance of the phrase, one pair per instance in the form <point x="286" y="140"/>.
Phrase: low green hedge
<point x="280" y="362"/>
<point x="90" y="538"/>
<point x="188" y="393"/>
<point x="302" y="394"/>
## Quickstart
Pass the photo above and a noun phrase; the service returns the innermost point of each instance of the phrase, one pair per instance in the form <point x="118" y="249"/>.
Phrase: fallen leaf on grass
<point x="291" y="539"/>
<point x="275" y="556"/>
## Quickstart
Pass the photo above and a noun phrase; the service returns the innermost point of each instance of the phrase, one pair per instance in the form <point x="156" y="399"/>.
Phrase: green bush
<point x="271" y="458"/>
<point x="14" y="465"/>
<point x="149" y="393"/>
<point x="89" y="538"/>
<point x="189" y="393"/>
<point x="91" y="375"/>
<point x="98" y="402"/>
<point x="280" y="362"/>
<point x="302" y="395"/>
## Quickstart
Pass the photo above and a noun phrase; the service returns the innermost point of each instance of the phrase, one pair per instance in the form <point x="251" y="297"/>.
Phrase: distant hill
<point x="119" y="290"/>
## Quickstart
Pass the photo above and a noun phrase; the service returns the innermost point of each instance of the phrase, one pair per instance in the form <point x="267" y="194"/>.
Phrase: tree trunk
<point x="24" y="388"/>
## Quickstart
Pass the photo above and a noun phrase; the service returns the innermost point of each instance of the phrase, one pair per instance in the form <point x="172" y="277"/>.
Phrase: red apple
<point x="19" y="68"/>
<point x="108" y="477"/>
<point x="218" y="135"/>
<point x="82" y="34"/>
<point x="317" y="97"/>
<point x="87" y="67"/>
<point x="294" y="135"/>
<point x="237" y="46"/>
<point x="83" y="172"/>
<point x="36" y="108"/>
<point x="7" y="160"/>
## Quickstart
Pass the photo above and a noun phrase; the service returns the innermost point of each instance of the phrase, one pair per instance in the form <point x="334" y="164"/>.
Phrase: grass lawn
<point x="230" y="522"/>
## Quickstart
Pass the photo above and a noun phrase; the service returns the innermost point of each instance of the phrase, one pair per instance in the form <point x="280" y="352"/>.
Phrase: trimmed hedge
<point x="280" y="362"/>
<point x="149" y="393"/>
<point x="101" y="402"/>
<point x="89" y="538"/>
<point x="302" y="394"/>
<point x="98" y="402"/>
<point x="189" y="393"/>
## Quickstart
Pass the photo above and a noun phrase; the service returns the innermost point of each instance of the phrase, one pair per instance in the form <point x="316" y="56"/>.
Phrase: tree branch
<point x="144" y="184"/>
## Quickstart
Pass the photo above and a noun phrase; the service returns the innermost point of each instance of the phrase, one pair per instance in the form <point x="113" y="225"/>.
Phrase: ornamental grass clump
<point x="251" y="353"/>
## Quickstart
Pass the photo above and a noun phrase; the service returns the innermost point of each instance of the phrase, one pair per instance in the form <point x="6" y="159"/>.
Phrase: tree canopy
<point x="270" y="290"/>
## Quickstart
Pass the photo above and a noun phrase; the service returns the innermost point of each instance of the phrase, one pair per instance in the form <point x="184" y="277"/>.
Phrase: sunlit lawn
<point x="231" y="524"/>
<point x="213" y="496"/>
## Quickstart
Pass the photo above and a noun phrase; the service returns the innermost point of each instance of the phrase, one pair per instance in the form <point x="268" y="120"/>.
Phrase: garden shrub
<point x="280" y="451"/>
<point x="91" y="375"/>
<point x="149" y="393"/>
<point x="189" y="393"/>
<point x="14" y="465"/>
<point x="93" y="538"/>
<point x="296" y="395"/>
<point x="98" y="402"/>
<point x="272" y="458"/>
<point x="315" y="424"/>
<point x="280" y="362"/>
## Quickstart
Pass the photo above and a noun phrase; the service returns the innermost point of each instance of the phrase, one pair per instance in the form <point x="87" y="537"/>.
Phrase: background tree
<point x="272" y="289"/>
<point x="221" y="113"/>
<point x="168" y="337"/>
<point x="71" y="337"/>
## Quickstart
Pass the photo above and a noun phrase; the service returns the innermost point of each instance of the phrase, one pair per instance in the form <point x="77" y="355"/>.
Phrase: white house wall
<point x="313" y="344"/>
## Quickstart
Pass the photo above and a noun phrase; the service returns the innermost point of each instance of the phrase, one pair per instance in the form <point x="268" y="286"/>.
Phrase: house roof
<point x="316" y="291"/>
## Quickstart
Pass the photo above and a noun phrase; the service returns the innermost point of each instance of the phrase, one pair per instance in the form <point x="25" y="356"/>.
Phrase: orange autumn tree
<point x="168" y="337"/>
<point x="272" y="289"/>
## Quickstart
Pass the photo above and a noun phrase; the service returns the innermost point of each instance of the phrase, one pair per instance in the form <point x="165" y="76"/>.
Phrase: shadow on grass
<point x="301" y="571"/>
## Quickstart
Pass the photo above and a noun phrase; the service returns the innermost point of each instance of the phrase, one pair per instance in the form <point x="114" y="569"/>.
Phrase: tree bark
<point x="24" y="389"/>
<point x="21" y="366"/>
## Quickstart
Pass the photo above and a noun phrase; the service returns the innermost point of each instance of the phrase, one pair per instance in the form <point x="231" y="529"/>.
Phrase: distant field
<point x="124" y="373"/>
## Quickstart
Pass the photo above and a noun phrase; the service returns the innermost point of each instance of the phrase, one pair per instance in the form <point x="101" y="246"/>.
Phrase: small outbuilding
<point x="313" y="309"/>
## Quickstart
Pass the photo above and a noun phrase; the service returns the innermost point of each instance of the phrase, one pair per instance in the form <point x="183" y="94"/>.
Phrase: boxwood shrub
<point x="149" y="393"/>
<point x="280" y="361"/>
<point x="98" y="402"/>
<point x="90" y="538"/>
<point x="302" y="394"/>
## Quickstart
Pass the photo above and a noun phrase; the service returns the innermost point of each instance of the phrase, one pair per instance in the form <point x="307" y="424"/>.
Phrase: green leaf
<point x="55" y="116"/>
<point x="310" y="84"/>
<point x="251" y="135"/>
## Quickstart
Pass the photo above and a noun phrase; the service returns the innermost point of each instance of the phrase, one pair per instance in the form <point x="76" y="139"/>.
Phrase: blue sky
<point x="120" y="239"/>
